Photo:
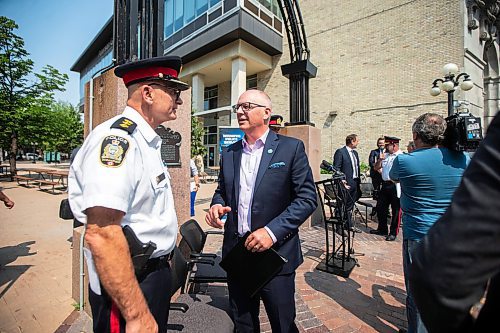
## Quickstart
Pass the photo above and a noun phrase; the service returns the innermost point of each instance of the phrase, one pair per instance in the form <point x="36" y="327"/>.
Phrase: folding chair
<point x="191" y="246"/>
<point x="194" y="313"/>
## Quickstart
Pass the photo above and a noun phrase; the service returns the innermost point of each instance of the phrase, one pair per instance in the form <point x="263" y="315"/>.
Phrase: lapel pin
<point x="269" y="151"/>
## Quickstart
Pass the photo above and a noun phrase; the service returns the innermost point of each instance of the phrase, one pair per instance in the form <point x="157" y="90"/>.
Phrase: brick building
<point x="376" y="61"/>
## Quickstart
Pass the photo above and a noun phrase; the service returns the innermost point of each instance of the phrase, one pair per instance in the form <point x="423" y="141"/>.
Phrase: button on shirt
<point x="249" y="167"/>
<point x="139" y="186"/>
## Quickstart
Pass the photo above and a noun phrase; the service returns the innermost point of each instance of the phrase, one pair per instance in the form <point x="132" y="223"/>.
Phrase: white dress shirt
<point x="354" y="162"/>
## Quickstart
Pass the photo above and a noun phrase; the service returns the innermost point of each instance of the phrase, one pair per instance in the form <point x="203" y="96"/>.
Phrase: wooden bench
<point x="45" y="182"/>
<point x="27" y="179"/>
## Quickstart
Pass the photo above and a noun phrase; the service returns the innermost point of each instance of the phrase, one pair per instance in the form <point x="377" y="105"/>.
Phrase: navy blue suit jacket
<point x="342" y="162"/>
<point x="284" y="195"/>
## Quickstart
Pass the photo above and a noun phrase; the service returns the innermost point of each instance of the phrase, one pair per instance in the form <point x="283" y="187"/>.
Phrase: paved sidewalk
<point x="35" y="274"/>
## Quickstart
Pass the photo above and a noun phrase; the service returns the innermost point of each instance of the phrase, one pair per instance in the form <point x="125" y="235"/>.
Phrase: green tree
<point x="197" y="133"/>
<point x="49" y="125"/>
<point x="17" y="88"/>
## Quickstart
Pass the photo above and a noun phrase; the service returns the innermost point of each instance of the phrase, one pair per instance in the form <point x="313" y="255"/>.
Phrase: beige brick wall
<point x="376" y="63"/>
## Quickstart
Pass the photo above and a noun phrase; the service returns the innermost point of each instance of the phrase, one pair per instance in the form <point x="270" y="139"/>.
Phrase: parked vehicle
<point x="32" y="157"/>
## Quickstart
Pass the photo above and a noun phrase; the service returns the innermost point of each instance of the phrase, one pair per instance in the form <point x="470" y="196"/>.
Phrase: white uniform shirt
<point x="135" y="182"/>
<point x="386" y="168"/>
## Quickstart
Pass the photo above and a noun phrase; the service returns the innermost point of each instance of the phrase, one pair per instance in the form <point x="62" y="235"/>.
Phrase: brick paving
<point x="37" y="299"/>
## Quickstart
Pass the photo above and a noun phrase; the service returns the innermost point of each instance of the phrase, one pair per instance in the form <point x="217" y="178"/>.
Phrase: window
<point x="178" y="15"/>
<point x="189" y="12"/>
<point x="201" y="6"/>
<point x="169" y="18"/>
<point x="210" y="136"/>
<point x="210" y="98"/>
<point x="252" y="82"/>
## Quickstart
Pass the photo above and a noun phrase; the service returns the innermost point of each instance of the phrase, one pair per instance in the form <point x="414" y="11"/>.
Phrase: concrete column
<point x="238" y="83"/>
<point x="198" y="89"/>
<point x="492" y="99"/>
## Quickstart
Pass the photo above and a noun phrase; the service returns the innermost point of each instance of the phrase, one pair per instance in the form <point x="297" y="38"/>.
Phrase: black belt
<point x="155" y="264"/>
<point x="387" y="182"/>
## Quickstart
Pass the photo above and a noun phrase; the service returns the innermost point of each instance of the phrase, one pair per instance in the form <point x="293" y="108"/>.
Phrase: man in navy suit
<point x="346" y="159"/>
<point x="265" y="187"/>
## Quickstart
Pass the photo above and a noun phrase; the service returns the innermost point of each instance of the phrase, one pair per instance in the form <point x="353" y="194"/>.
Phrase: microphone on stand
<point x="325" y="165"/>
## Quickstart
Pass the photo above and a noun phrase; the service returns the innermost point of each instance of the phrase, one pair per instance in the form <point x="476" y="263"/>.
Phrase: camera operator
<point x="428" y="177"/>
<point x="448" y="285"/>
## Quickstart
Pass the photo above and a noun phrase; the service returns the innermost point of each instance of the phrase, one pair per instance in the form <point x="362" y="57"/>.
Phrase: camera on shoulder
<point x="463" y="132"/>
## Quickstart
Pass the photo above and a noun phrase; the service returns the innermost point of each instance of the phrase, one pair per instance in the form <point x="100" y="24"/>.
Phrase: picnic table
<point x="44" y="177"/>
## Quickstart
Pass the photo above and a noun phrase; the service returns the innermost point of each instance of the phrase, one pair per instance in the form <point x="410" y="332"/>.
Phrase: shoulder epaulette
<point x="125" y="124"/>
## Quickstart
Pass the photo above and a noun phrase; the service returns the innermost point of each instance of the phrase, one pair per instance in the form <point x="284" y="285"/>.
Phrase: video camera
<point x="463" y="132"/>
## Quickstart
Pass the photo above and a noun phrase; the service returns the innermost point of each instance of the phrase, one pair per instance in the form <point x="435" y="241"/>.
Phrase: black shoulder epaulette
<point x="125" y="124"/>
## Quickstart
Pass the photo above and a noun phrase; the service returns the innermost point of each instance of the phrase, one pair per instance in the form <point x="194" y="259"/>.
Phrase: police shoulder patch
<point x="113" y="150"/>
<point x="125" y="124"/>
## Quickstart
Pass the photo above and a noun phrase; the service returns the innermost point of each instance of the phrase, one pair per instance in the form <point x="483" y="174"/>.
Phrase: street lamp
<point x="450" y="82"/>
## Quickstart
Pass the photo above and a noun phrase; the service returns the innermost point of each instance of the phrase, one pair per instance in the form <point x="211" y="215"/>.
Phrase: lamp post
<point x="450" y="82"/>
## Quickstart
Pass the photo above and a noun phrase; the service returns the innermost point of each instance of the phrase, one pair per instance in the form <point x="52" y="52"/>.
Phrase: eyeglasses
<point x="246" y="107"/>
<point x="175" y="92"/>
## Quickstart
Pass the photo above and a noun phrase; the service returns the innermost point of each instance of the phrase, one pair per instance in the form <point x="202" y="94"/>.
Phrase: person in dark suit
<point x="459" y="258"/>
<point x="374" y="174"/>
<point x="265" y="187"/>
<point x="346" y="160"/>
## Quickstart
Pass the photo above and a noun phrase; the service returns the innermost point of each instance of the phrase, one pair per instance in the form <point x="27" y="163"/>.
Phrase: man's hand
<point x="344" y="182"/>
<point x="259" y="241"/>
<point x="9" y="203"/>
<point x="144" y="324"/>
<point x="214" y="214"/>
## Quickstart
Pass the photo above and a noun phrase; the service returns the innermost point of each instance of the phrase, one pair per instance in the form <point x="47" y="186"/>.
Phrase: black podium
<point x="339" y="258"/>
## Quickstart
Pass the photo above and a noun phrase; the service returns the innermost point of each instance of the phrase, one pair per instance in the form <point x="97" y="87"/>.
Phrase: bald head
<point x="258" y="97"/>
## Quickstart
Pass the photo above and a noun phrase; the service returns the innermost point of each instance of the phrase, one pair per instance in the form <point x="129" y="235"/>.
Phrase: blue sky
<point x="56" y="32"/>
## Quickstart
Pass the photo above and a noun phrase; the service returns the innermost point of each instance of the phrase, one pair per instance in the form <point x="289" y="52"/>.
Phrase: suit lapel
<point x="267" y="154"/>
<point x="237" y="163"/>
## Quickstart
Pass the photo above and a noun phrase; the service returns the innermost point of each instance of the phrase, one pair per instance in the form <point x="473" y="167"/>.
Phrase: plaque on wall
<point x="170" y="145"/>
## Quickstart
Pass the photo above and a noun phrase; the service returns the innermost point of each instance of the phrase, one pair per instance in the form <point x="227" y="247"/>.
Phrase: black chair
<point x="366" y="193"/>
<point x="191" y="246"/>
<point x="194" y="313"/>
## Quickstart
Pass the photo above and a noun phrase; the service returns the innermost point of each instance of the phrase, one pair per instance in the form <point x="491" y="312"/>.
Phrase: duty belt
<point x="155" y="264"/>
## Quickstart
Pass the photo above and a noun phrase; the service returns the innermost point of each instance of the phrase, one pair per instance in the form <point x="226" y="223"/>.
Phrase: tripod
<point x="333" y="195"/>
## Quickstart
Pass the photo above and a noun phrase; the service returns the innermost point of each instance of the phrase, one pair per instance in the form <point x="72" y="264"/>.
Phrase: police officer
<point x="118" y="179"/>
<point x="275" y="123"/>
<point x="389" y="193"/>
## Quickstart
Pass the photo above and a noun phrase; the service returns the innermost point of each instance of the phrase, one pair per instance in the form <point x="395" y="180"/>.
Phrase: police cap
<point x="276" y="121"/>
<point x="391" y="140"/>
<point x="165" y="69"/>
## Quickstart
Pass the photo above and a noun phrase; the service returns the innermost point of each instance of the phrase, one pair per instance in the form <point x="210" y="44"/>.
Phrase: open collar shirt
<point x="250" y="161"/>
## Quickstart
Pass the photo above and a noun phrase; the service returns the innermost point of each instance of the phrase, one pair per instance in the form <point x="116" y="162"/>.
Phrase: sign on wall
<point x="228" y="136"/>
<point x="170" y="145"/>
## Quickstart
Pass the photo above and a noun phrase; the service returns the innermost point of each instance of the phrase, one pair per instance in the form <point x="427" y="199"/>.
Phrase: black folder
<point x="252" y="269"/>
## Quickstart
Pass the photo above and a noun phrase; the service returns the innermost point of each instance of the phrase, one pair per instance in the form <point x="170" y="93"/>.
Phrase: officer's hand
<point x="214" y="214"/>
<point x="143" y="324"/>
<point x="259" y="241"/>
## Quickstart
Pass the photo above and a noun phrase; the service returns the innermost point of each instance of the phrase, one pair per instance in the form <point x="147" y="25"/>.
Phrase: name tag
<point x="160" y="178"/>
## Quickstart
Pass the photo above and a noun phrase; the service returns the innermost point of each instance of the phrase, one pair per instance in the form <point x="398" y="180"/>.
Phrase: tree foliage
<point x="50" y="126"/>
<point x="21" y="90"/>
<point x="197" y="133"/>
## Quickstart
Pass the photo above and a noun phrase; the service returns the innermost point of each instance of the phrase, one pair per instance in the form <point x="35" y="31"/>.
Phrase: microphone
<point x="325" y="165"/>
